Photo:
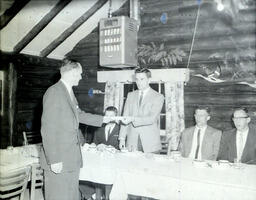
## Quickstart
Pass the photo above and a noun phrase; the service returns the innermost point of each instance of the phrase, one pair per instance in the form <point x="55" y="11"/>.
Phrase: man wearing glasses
<point x="239" y="144"/>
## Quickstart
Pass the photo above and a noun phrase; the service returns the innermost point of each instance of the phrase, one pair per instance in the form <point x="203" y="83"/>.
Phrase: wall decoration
<point x="150" y="54"/>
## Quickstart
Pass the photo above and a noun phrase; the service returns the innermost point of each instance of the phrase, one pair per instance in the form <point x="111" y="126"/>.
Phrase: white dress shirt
<point x="71" y="92"/>
<point x="108" y="129"/>
<point x="194" y="143"/>
<point x="69" y="88"/>
<point x="241" y="137"/>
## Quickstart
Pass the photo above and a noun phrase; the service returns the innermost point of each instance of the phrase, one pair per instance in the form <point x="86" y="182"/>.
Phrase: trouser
<point x="62" y="186"/>
<point x="140" y="147"/>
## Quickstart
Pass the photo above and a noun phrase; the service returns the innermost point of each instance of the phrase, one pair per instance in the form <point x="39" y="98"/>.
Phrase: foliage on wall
<point x="150" y="54"/>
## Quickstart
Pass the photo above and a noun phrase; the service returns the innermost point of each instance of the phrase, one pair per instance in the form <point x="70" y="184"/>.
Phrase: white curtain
<point x="114" y="95"/>
<point x="174" y="103"/>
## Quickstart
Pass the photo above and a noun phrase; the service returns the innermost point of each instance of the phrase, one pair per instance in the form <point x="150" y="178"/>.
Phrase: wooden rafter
<point x="45" y="52"/>
<point x="41" y="25"/>
<point x="12" y="12"/>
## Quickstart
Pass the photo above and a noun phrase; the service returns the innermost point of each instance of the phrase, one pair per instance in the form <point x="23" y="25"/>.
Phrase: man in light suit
<point x="141" y="116"/>
<point x="61" y="156"/>
<point x="200" y="141"/>
<point x="239" y="143"/>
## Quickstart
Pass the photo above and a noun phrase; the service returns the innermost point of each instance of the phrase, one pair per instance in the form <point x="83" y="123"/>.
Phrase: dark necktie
<point x="198" y="144"/>
<point x="141" y="97"/>
<point x="109" y="132"/>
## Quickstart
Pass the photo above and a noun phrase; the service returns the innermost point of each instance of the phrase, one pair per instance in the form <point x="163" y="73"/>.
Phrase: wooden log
<point x="12" y="79"/>
<point x="178" y="15"/>
<point x="182" y="33"/>
<point x="40" y="26"/>
<point x="47" y="50"/>
<point x="10" y="13"/>
<point x="226" y="99"/>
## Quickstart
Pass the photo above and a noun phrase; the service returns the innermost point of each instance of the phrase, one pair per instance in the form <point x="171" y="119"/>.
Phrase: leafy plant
<point x="149" y="54"/>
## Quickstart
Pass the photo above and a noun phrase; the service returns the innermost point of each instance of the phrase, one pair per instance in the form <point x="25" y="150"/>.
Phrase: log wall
<point x="230" y="36"/>
<point x="231" y="39"/>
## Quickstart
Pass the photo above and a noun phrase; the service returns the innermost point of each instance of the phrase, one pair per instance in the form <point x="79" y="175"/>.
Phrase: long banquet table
<point x="155" y="176"/>
<point x="161" y="177"/>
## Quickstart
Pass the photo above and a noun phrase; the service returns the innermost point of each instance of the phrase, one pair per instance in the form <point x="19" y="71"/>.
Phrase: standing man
<point x="200" y="141"/>
<point x="61" y="156"/>
<point x="239" y="143"/>
<point x="141" y="116"/>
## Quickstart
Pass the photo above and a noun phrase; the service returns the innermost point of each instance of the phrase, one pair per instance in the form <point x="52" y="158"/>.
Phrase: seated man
<point x="108" y="135"/>
<point x="200" y="141"/>
<point x="239" y="143"/>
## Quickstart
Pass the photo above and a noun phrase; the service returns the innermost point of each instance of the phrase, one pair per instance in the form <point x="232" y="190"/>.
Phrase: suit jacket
<point x="99" y="136"/>
<point x="210" y="143"/>
<point x="59" y="128"/>
<point x="146" y="124"/>
<point x="228" y="149"/>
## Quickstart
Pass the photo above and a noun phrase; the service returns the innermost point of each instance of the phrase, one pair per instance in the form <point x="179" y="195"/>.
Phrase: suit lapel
<point x="68" y="97"/>
<point x="137" y="96"/>
<point x="248" y="144"/>
<point x="148" y="97"/>
<point x="207" y="137"/>
<point x="190" y="140"/>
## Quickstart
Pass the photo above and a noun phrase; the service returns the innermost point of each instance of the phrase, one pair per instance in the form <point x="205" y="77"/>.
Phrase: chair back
<point x="36" y="179"/>
<point x="32" y="137"/>
<point x="14" y="183"/>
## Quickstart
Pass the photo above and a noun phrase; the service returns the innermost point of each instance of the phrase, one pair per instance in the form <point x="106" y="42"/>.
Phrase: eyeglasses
<point x="236" y="118"/>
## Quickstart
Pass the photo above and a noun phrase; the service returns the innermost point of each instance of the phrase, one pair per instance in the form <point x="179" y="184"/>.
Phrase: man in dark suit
<point x="239" y="144"/>
<point x="141" y="116"/>
<point x="108" y="133"/>
<point x="200" y="141"/>
<point x="61" y="156"/>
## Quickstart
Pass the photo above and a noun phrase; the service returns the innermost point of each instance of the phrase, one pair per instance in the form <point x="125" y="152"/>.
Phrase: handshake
<point x="124" y="119"/>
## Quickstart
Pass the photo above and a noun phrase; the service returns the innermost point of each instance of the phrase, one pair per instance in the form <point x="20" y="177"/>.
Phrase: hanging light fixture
<point x="220" y="5"/>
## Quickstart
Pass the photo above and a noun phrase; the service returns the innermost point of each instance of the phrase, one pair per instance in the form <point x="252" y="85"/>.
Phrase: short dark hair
<point x="111" y="108"/>
<point x="143" y="70"/>
<point x="69" y="64"/>
<point x="241" y="108"/>
<point x="202" y="107"/>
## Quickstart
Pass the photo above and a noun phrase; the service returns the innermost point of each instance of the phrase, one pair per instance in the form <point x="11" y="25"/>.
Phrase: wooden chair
<point x="36" y="180"/>
<point x="164" y="144"/>
<point x="32" y="137"/>
<point x="14" y="183"/>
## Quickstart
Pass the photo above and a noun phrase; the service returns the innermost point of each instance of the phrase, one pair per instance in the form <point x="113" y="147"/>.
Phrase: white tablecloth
<point x="160" y="177"/>
<point x="18" y="157"/>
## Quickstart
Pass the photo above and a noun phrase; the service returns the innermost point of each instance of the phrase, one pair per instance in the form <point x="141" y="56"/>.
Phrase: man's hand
<point x="121" y="144"/>
<point x="107" y="119"/>
<point x="126" y="120"/>
<point x="56" y="167"/>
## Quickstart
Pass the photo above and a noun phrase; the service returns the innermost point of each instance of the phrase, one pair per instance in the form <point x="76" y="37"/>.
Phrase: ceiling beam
<point x="41" y="25"/>
<point x="46" y="51"/>
<point x="11" y="12"/>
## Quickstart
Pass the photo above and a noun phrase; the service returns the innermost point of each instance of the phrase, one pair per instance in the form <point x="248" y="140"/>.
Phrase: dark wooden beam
<point x="45" y="52"/>
<point x="10" y="13"/>
<point x="41" y="25"/>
